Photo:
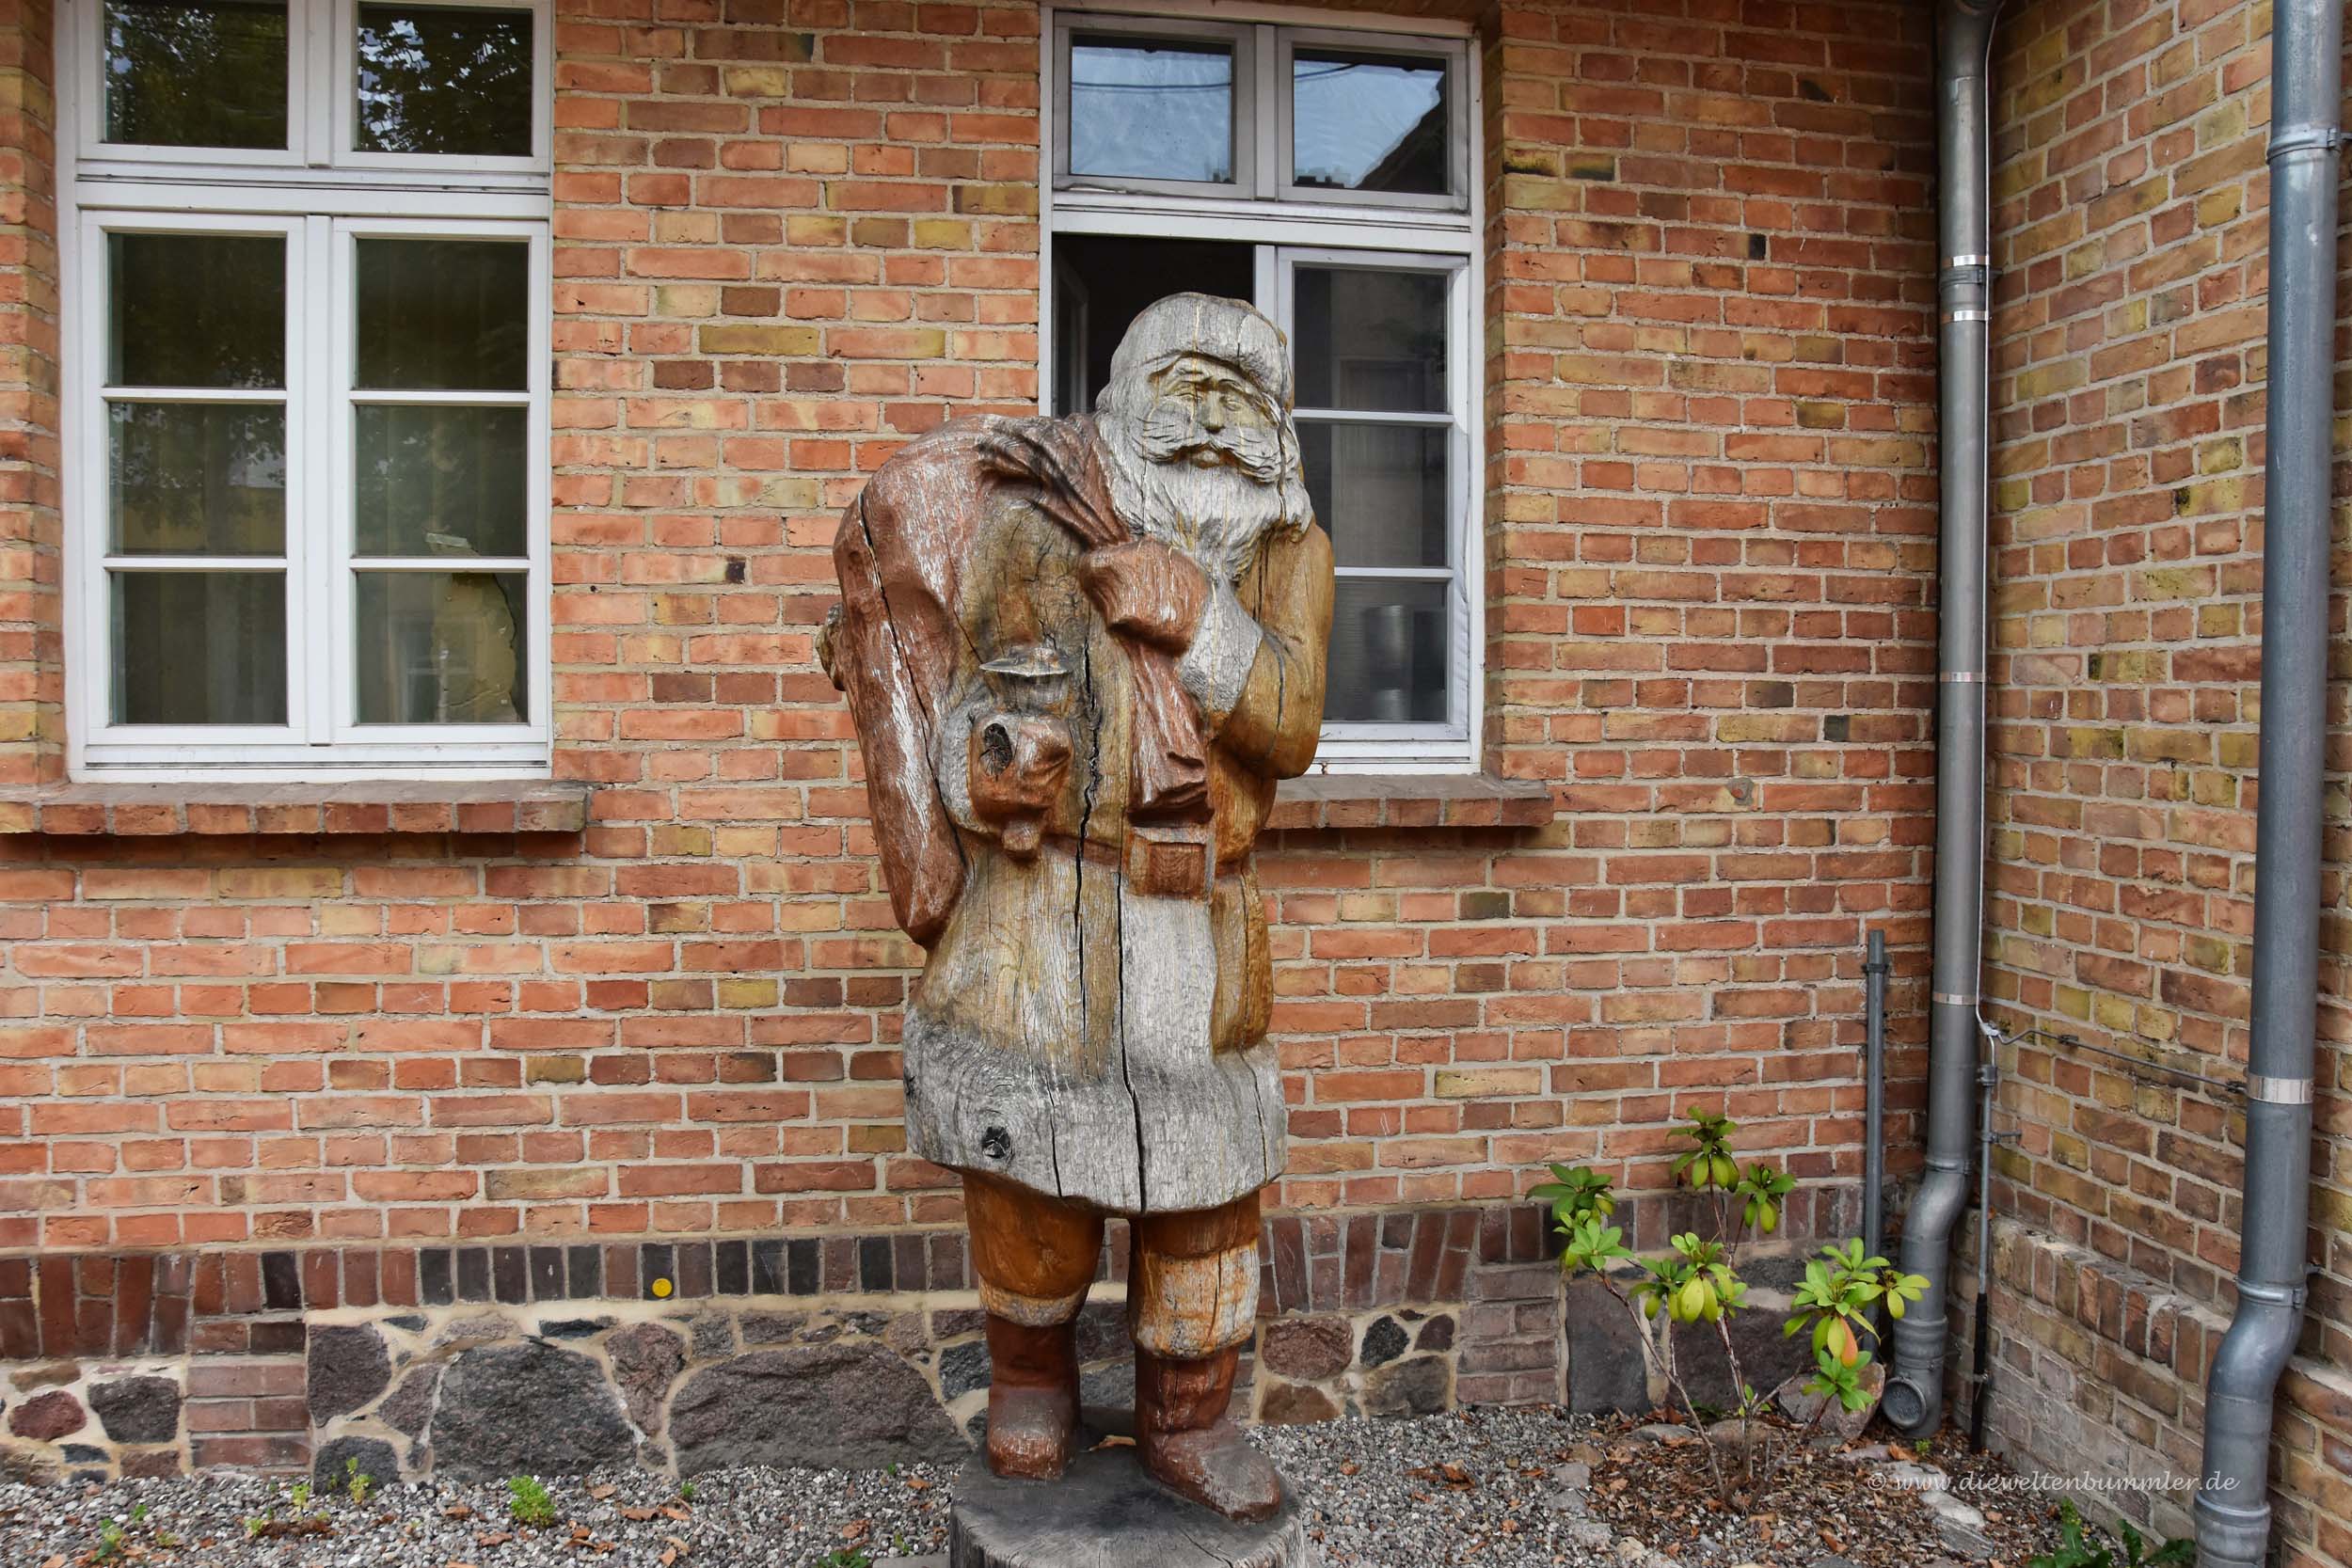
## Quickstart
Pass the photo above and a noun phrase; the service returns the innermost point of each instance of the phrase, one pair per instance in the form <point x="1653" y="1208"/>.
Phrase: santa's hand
<point x="1147" y="591"/>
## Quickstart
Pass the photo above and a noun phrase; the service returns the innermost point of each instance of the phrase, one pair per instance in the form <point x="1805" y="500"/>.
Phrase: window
<point x="1325" y="176"/>
<point x="306" y="381"/>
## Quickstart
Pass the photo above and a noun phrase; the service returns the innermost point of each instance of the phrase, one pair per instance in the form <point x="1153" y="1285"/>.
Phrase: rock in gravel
<point x="848" y="1404"/>
<point x="138" y="1409"/>
<point x="1662" y="1432"/>
<point x="1917" y="1478"/>
<point x="529" y="1408"/>
<point x="1575" y="1475"/>
<point x="46" y="1418"/>
<point x="348" y="1366"/>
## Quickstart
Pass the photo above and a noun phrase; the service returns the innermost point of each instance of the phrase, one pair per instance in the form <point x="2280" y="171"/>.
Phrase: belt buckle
<point x="1169" y="860"/>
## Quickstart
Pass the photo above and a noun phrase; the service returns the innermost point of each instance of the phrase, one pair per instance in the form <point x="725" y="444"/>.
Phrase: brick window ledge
<point x="231" y="807"/>
<point x="1336" y="800"/>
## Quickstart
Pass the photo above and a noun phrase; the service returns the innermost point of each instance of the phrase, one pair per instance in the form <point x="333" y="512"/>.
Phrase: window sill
<point x="231" y="807"/>
<point x="1335" y="800"/>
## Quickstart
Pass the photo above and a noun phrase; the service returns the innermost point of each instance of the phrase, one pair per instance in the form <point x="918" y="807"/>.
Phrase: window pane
<point x="441" y="648"/>
<point x="443" y="314"/>
<point x="1151" y="109"/>
<point x="1388" y="652"/>
<point x="1368" y="122"/>
<point x="444" y="79"/>
<point x="195" y="73"/>
<point x="197" y="478"/>
<point x="1379" y="490"/>
<point x="1371" y="340"/>
<point x="195" y="309"/>
<point x="200" y="647"/>
<point x="440" y="480"/>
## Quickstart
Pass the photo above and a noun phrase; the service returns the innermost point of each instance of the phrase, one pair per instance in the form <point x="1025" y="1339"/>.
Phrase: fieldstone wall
<point x="840" y="1350"/>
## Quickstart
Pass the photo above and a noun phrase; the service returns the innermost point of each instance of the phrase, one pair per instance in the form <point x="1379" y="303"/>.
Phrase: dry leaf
<point x="916" y="1483"/>
<point x="457" y="1511"/>
<point x="677" y="1546"/>
<point x="600" y="1493"/>
<point x="855" y="1530"/>
<point x="494" y="1538"/>
<point x="639" y="1515"/>
<point x="1350" y="1468"/>
<point x="676" y="1511"/>
<point x="669" y="1555"/>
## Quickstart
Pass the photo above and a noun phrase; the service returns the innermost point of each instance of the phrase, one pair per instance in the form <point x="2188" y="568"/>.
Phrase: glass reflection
<point x="1378" y="490"/>
<point x="1151" y="109"/>
<point x="441" y="648"/>
<point x="1367" y="121"/>
<point x="1388" y="651"/>
<point x="439" y="481"/>
<point x="195" y="309"/>
<point x="200" y="647"/>
<point x="444" y="315"/>
<point x="193" y="72"/>
<point x="197" y="478"/>
<point x="1372" y="340"/>
<point x="444" y="79"/>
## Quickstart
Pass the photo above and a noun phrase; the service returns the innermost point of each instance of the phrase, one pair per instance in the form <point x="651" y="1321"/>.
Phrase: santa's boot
<point x="1032" y="1398"/>
<point x="1188" y="1444"/>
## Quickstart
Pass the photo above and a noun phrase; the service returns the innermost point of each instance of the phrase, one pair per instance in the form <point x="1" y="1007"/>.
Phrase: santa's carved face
<point x="1205" y="413"/>
<point x="1197" y="444"/>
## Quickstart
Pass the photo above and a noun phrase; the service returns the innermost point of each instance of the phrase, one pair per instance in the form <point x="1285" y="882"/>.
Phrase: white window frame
<point x="323" y="197"/>
<point x="1322" y="227"/>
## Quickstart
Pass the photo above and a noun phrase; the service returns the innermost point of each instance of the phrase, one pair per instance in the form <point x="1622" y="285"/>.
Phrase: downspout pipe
<point x="1914" y="1399"/>
<point x="2233" y="1509"/>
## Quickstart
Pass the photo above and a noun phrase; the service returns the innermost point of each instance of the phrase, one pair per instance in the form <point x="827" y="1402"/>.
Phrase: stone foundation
<point x="685" y="1357"/>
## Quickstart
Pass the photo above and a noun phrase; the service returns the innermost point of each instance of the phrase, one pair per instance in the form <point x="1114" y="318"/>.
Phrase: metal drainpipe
<point x="1914" y="1400"/>
<point x="2234" y="1508"/>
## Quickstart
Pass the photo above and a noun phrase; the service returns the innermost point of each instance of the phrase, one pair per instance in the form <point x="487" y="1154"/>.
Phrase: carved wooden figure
<point x="1079" y="654"/>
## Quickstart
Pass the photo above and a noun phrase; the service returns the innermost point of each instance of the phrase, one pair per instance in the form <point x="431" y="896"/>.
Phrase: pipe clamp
<point x="2305" y="138"/>
<point x="1964" y="676"/>
<point x="1968" y="315"/>
<point x="1968" y="260"/>
<point x="1949" y="999"/>
<point x="2278" y="1091"/>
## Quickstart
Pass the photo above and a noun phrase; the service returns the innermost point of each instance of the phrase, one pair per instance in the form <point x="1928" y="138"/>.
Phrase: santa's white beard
<point x="1215" y="513"/>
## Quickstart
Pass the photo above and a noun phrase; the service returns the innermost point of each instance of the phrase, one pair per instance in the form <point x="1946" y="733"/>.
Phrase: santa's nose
<point x="1212" y="411"/>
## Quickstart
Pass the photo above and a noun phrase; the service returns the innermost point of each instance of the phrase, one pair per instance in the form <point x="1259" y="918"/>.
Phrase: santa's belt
<point x="1160" y="860"/>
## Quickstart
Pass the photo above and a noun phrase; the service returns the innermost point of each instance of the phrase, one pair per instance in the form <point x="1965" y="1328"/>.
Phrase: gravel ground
<point x="1482" y="1487"/>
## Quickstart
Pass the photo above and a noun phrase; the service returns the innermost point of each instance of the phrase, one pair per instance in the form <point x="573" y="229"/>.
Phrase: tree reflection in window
<point x="444" y="79"/>
<point x="195" y="73"/>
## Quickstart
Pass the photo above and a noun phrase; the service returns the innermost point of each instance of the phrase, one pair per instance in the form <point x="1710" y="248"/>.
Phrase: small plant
<point x="255" y="1523"/>
<point x="358" y="1483"/>
<point x="300" y="1492"/>
<point x="109" y="1541"/>
<point x="686" y="1489"/>
<point x="844" y="1559"/>
<point x="2080" y="1546"/>
<point x="1696" y="1284"/>
<point x="531" y="1503"/>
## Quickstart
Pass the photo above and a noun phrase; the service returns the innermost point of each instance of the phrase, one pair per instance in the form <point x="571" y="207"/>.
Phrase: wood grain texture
<point x="1079" y="654"/>
<point x="1105" y="1512"/>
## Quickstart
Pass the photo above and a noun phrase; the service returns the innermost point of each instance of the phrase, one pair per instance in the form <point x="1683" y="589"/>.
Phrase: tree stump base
<point x="1105" y="1512"/>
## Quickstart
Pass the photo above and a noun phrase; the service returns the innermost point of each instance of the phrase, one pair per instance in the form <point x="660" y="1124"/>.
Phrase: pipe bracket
<point x="2323" y="139"/>
<point x="2278" y="1091"/>
<point x="2290" y="1296"/>
<point x="1964" y="676"/>
<point x="1951" y="999"/>
<point x="1967" y="316"/>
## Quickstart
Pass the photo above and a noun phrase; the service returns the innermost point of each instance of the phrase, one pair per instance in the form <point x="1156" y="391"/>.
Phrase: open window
<point x="1344" y="212"/>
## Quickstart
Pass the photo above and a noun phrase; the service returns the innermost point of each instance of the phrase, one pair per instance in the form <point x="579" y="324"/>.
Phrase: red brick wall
<point x="32" y="696"/>
<point x="2130" y="239"/>
<point x="792" y="236"/>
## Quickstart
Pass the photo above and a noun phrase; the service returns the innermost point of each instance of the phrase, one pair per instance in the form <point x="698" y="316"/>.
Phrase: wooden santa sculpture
<point x="1079" y="652"/>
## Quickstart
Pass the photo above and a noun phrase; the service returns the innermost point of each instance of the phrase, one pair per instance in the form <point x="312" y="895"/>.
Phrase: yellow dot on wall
<point x="661" y="1289"/>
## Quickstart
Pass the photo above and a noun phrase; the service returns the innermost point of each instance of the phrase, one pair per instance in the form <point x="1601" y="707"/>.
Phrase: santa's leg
<point x="1035" y="1257"/>
<point x="1192" y="1303"/>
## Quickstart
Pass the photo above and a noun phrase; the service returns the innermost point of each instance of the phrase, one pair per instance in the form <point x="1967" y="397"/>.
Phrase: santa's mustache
<point x="1170" y="433"/>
